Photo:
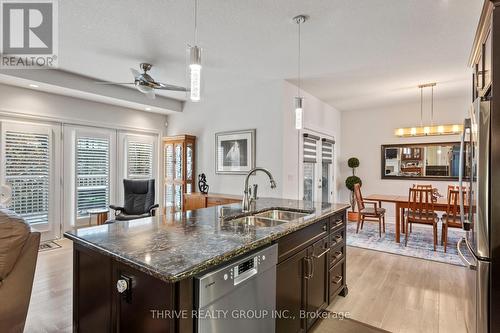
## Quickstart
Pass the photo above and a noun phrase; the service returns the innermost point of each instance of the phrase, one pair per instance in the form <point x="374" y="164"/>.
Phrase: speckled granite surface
<point x="181" y="245"/>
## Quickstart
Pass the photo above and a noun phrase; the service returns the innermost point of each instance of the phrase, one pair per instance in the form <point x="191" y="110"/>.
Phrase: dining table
<point x="401" y="203"/>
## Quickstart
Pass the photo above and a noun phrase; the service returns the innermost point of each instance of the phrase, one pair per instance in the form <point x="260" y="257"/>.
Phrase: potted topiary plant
<point x="350" y="181"/>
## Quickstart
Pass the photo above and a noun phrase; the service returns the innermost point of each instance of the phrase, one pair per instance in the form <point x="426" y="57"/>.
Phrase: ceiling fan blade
<point x="135" y="73"/>
<point x="172" y="87"/>
<point x="150" y="94"/>
<point x="111" y="83"/>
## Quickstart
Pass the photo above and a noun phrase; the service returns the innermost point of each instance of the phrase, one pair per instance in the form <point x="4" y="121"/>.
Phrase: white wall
<point x="319" y="117"/>
<point x="364" y="131"/>
<point x="266" y="105"/>
<point x="19" y="101"/>
<point x="243" y="104"/>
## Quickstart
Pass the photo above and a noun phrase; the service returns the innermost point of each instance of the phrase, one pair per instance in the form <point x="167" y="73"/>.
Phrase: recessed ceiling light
<point x="33" y="85"/>
<point x="148" y="109"/>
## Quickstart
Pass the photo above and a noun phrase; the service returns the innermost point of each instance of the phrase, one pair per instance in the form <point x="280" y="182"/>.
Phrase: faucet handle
<point x="254" y="191"/>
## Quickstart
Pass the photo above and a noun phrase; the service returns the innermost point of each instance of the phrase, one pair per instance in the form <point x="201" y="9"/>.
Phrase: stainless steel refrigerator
<point x="476" y="198"/>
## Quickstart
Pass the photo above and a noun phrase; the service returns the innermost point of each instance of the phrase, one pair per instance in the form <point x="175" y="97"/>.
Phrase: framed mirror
<point x="433" y="161"/>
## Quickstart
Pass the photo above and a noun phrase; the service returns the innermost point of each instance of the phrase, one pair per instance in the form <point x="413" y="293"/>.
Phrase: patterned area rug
<point x="419" y="242"/>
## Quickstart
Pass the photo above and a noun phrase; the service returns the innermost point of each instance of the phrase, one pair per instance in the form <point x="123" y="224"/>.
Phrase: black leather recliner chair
<point x="139" y="200"/>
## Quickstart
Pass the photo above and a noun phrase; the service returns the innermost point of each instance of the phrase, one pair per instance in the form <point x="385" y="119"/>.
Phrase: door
<point x="317" y="167"/>
<point x="30" y="166"/>
<point x="138" y="159"/>
<point x="89" y="172"/>
<point x="317" y="285"/>
<point x="290" y="293"/>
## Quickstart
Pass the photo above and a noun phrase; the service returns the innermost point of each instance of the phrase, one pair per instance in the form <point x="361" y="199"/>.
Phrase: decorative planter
<point x="352" y="216"/>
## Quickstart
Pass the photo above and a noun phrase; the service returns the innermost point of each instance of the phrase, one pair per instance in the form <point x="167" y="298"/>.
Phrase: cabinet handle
<point x="122" y="285"/>
<point x="338" y="222"/>
<point x="325" y="227"/>
<point x="337" y="239"/>
<point x="337" y="255"/>
<point x="312" y="268"/>
<point x="337" y="279"/>
<point x="308" y="267"/>
<point x="322" y="253"/>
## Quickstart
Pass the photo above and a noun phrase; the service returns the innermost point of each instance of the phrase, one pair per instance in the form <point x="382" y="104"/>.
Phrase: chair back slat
<point x="453" y="207"/>
<point x="421" y="205"/>
<point x="359" y="197"/>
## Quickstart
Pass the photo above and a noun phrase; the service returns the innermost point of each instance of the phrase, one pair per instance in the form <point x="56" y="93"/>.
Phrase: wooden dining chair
<point x="457" y="188"/>
<point x="421" y="211"/>
<point x="422" y="186"/>
<point x="374" y="213"/>
<point x="451" y="219"/>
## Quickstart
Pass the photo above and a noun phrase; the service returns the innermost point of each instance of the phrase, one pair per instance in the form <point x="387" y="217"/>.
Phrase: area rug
<point x="46" y="246"/>
<point x="346" y="325"/>
<point x="420" y="242"/>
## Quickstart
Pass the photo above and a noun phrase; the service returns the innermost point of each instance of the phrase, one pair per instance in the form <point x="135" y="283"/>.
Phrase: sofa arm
<point x="16" y="287"/>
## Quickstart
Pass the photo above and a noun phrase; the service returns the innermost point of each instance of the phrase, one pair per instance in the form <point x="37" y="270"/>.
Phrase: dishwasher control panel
<point x="245" y="270"/>
<point x="226" y="278"/>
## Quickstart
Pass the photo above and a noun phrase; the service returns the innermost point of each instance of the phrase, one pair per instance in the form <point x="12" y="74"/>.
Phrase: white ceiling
<point x="356" y="54"/>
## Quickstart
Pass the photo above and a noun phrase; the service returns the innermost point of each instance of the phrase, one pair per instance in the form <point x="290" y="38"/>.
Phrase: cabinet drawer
<point x="220" y="201"/>
<point x="298" y="240"/>
<point x="337" y="221"/>
<point x="337" y="238"/>
<point x="215" y="202"/>
<point x="336" y="254"/>
<point x="336" y="277"/>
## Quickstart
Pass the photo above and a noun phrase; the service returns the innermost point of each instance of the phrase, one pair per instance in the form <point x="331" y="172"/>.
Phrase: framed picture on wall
<point x="235" y="152"/>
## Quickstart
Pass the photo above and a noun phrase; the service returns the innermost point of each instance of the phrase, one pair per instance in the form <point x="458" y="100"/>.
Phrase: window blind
<point x="327" y="150"/>
<point x="27" y="171"/>
<point x="139" y="160"/>
<point x="92" y="174"/>
<point x="310" y="146"/>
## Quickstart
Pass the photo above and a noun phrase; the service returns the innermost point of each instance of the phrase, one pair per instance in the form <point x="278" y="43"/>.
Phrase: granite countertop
<point x="180" y="245"/>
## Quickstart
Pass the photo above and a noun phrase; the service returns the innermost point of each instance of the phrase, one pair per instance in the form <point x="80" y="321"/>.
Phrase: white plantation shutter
<point x="92" y="174"/>
<point x="139" y="160"/>
<point x="27" y="171"/>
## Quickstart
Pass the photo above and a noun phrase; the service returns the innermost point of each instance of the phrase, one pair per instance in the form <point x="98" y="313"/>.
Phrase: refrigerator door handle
<point x="462" y="257"/>
<point x="467" y="125"/>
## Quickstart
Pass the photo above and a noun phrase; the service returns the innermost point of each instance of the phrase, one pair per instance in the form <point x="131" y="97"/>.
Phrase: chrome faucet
<point x="247" y="199"/>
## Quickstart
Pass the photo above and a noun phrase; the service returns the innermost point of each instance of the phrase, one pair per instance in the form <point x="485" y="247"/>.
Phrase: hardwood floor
<point x="403" y="294"/>
<point x="51" y="299"/>
<point x="395" y="293"/>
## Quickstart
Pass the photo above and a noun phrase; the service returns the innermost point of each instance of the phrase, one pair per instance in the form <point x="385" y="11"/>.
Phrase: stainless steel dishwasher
<point x="239" y="297"/>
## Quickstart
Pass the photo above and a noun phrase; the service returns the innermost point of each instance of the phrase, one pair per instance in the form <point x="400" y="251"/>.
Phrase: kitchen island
<point x="154" y="260"/>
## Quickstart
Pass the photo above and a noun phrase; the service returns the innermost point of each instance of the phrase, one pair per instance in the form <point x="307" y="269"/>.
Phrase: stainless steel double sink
<point x="268" y="218"/>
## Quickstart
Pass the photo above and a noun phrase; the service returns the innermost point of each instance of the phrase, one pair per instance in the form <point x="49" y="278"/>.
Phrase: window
<point x="27" y="171"/>
<point x="139" y="160"/>
<point x="92" y="174"/>
<point x="309" y="154"/>
<point x="326" y="168"/>
<point x="317" y="167"/>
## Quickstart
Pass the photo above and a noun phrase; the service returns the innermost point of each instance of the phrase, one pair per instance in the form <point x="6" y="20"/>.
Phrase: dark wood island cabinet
<point x="310" y="272"/>
<point x="137" y="276"/>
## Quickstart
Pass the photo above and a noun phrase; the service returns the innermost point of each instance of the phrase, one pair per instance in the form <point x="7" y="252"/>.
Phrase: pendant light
<point x="299" y="101"/>
<point x="423" y="130"/>
<point x="195" y="61"/>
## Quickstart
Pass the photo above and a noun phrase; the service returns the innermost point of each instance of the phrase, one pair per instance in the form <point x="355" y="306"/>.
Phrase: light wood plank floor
<point x="51" y="299"/>
<point x="403" y="294"/>
<point x="395" y="293"/>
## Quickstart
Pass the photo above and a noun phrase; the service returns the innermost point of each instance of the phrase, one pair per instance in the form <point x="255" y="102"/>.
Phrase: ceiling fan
<point x="145" y="83"/>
